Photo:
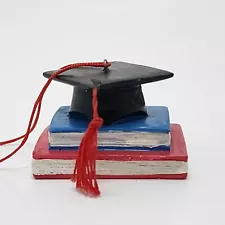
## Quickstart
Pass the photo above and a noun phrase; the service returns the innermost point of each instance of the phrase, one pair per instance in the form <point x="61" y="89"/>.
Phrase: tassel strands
<point x="85" y="167"/>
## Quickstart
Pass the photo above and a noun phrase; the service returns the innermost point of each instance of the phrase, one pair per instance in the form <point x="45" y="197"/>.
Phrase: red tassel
<point x="86" y="161"/>
<point x="85" y="166"/>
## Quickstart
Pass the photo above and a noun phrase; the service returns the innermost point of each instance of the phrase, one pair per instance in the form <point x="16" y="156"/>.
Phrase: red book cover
<point x="59" y="164"/>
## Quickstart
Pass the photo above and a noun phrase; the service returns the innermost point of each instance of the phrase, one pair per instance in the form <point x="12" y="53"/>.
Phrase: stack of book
<point x="144" y="147"/>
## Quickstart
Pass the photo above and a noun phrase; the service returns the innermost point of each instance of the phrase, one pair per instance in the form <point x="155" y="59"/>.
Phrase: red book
<point x="59" y="164"/>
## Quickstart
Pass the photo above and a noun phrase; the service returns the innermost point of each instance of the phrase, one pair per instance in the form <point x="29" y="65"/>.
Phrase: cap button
<point x="105" y="62"/>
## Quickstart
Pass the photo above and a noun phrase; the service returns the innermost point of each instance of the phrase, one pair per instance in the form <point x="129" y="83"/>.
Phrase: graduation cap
<point x="119" y="88"/>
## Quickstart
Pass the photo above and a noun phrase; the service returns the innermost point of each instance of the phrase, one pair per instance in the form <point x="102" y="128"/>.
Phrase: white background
<point x="185" y="37"/>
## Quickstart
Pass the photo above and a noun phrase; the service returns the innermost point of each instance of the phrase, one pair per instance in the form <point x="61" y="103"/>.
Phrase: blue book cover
<point x="157" y="121"/>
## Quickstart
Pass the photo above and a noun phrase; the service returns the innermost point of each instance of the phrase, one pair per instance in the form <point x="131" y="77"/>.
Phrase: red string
<point x="85" y="163"/>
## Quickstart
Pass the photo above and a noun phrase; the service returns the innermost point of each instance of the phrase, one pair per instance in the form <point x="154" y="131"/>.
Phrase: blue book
<point x="145" y="133"/>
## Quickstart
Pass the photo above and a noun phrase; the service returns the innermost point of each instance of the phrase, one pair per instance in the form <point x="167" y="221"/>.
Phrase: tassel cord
<point x="38" y="103"/>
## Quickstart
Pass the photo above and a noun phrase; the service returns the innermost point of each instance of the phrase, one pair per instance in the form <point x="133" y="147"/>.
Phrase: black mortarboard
<point x="119" y="89"/>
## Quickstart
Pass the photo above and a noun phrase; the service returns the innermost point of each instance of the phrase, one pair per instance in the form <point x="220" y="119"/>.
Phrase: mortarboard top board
<point x="119" y="89"/>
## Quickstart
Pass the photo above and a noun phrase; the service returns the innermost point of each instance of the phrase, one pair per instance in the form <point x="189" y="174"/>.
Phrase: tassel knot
<point x="96" y="123"/>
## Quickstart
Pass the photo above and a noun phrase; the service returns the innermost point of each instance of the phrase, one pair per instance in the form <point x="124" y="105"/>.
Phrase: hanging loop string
<point x="85" y="164"/>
